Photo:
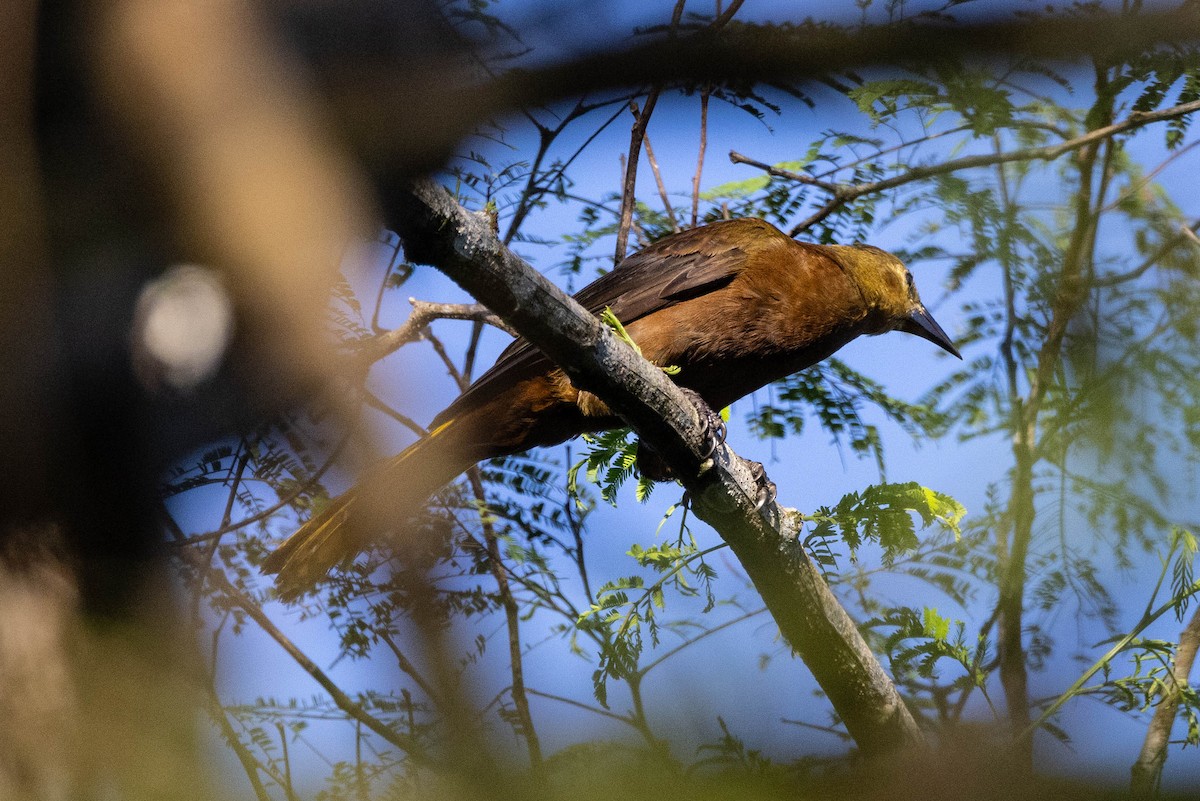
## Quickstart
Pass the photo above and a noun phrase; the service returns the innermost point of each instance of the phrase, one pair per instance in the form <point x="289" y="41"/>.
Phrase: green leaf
<point x="882" y="513"/>
<point x="935" y="625"/>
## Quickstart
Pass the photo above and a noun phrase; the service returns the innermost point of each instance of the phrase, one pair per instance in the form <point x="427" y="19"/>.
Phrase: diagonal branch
<point x="437" y="231"/>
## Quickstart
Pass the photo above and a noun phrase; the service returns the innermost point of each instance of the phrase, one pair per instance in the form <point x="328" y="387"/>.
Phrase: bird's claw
<point x="767" y="490"/>
<point x="713" y="432"/>
<point x="711" y="423"/>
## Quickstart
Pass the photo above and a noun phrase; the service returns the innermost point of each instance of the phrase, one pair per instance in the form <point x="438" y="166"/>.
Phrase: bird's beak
<point x="922" y="324"/>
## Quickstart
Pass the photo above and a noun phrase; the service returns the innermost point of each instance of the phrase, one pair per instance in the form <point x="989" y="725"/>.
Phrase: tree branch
<point x="637" y="133"/>
<point x="249" y="763"/>
<point x="512" y="619"/>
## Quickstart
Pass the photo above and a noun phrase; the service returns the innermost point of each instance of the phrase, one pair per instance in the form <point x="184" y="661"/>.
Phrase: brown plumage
<point x="734" y="305"/>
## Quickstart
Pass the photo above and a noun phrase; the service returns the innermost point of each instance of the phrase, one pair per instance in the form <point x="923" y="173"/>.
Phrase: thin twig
<point x="372" y="350"/>
<point x="535" y="188"/>
<point x="375" y="402"/>
<point x="704" y="93"/>
<point x="580" y="705"/>
<point x="406" y="665"/>
<point x="911" y="143"/>
<point x="1148" y="178"/>
<point x="636" y="134"/>
<point x="702" y="635"/>
<point x="662" y="188"/>
<point x="288" y="787"/>
<point x="382" y="286"/>
<point x="512" y="617"/>
<point x="841" y="734"/>
<point x="249" y="763"/>
<point x="216" y="709"/>
<point x="629" y="185"/>
<point x="221" y="583"/>
<point x="779" y="172"/>
<point x="723" y="19"/>
<point x="238" y="471"/>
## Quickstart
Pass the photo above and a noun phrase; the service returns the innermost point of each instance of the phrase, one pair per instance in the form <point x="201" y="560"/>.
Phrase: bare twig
<point x="572" y="702"/>
<point x="238" y="470"/>
<point x="779" y="172"/>
<point x="701" y="636"/>
<point x="382" y="286"/>
<point x="704" y="93"/>
<point x="629" y="184"/>
<point x="535" y="190"/>
<point x="911" y="143"/>
<point x="662" y="188"/>
<point x="372" y="350"/>
<point x="723" y="19"/>
<point x="1145" y="180"/>
<point x="636" y="134"/>
<point x="406" y="665"/>
<point x="249" y="764"/>
<point x="512" y="618"/>
<point x="377" y="403"/>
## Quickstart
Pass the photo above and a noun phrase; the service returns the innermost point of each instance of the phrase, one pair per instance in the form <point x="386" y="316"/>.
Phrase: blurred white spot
<point x="183" y="326"/>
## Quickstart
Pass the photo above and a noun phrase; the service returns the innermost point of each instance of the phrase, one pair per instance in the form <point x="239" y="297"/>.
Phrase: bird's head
<point x="890" y="293"/>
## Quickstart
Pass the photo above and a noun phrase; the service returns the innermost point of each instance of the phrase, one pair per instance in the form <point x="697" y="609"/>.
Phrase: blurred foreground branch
<point x="1147" y="770"/>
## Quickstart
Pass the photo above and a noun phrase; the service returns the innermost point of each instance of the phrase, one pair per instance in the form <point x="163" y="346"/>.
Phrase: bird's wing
<point x="674" y="269"/>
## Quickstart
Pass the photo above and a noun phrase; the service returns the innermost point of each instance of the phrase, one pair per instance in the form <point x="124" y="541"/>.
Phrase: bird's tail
<point x="389" y="493"/>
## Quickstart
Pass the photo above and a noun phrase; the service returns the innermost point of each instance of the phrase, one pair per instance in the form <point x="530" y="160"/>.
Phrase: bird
<point x="732" y="306"/>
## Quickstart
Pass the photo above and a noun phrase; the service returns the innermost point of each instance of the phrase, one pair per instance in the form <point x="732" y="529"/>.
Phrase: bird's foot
<point x="713" y="429"/>
<point x="711" y="423"/>
<point x="766" y="487"/>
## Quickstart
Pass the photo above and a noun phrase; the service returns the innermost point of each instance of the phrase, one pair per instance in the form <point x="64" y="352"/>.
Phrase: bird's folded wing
<point x="674" y="269"/>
